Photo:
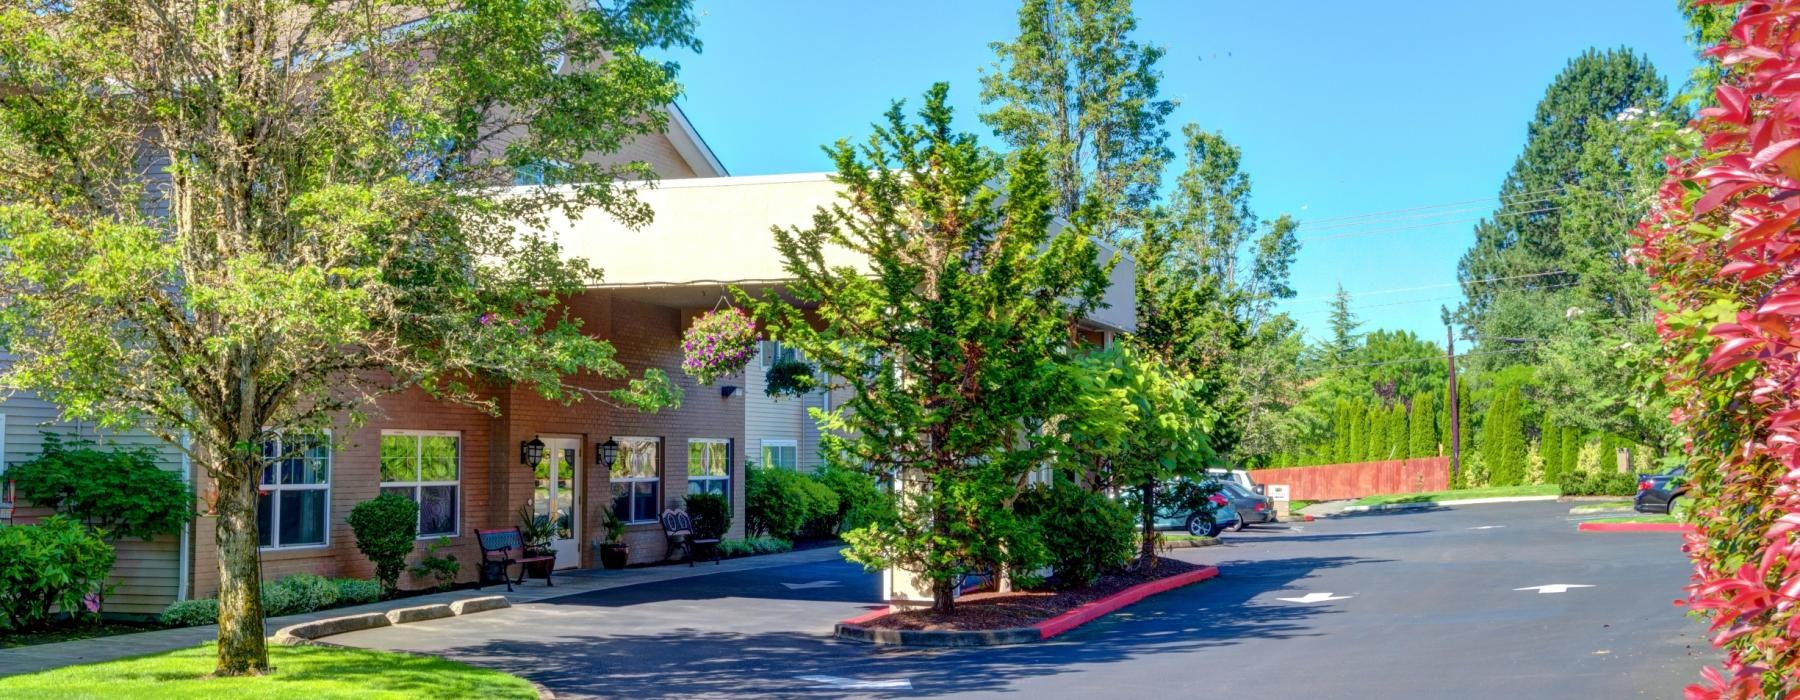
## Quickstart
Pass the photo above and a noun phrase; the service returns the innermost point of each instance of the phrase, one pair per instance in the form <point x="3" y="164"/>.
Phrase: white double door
<point x="556" y="497"/>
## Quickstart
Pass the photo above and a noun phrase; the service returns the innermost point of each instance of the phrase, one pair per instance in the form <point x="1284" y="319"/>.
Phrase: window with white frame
<point x="784" y="454"/>
<point x="425" y="466"/>
<point x="293" y="503"/>
<point x="636" y="479"/>
<point x="709" y="467"/>
<point x="773" y="351"/>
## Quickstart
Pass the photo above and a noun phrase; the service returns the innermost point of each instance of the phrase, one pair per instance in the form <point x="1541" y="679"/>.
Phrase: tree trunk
<point x="943" y="597"/>
<point x="1147" y="521"/>
<point x="242" y="650"/>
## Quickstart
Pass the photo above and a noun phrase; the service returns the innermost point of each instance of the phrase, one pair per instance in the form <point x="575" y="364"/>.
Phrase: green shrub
<point x="356" y="591"/>
<point x="191" y="613"/>
<point x="754" y="545"/>
<point x="711" y="514"/>
<point x="443" y="568"/>
<point x="119" y="491"/>
<point x="57" y="562"/>
<point x="298" y="593"/>
<point x="783" y="503"/>
<point x="385" y="528"/>
<point x="860" y="501"/>
<point x="1605" y="483"/>
<point x="1085" y="533"/>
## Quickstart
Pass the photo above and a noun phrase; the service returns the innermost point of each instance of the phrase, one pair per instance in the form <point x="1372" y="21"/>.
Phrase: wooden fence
<point x="1328" y="482"/>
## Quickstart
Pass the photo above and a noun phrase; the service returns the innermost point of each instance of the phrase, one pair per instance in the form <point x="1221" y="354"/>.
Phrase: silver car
<point x="1252" y="508"/>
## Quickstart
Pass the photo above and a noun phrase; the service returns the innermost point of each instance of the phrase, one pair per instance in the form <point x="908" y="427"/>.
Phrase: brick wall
<point x="494" y="483"/>
<point x="1335" y="481"/>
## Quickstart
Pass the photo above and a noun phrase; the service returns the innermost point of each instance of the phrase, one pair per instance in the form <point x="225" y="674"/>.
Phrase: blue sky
<point x="1341" y="108"/>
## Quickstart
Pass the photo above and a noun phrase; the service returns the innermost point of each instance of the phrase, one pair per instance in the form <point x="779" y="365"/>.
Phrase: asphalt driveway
<point x="1415" y="605"/>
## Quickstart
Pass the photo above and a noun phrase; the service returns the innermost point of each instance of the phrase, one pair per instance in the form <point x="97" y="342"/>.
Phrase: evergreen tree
<point x="1550" y="447"/>
<point x="955" y="352"/>
<point x="1359" y="433"/>
<point x="1422" y="438"/>
<point x="1378" y="434"/>
<point x="1344" y="340"/>
<point x="1525" y="235"/>
<point x="1571" y="450"/>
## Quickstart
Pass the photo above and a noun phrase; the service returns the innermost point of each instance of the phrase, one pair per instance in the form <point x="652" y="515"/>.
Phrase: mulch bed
<point x="992" y="611"/>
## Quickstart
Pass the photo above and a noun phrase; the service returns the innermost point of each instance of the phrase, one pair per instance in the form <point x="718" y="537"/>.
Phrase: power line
<point x="1428" y="215"/>
<point x="1414" y="359"/>
<point x="1431" y="224"/>
<point x="1389" y="212"/>
<point x="1428" y="286"/>
<point x="1314" y="312"/>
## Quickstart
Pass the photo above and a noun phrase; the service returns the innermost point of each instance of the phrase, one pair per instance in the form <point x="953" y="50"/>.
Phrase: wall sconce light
<point x="606" y="453"/>
<point x="531" y="453"/>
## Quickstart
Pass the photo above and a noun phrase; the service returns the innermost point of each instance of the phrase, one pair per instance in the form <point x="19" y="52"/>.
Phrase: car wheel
<point x="1678" y="507"/>
<point x="1198" y="527"/>
<point x="1241" y="525"/>
<point x="1216" y="529"/>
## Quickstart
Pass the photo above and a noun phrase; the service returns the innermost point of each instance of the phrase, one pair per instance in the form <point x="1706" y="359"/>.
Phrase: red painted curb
<point x="878" y="611"/>
<point x="1634" y="527"/>
<point x="1308" y="518"/>
<point x="1094" y="609"/>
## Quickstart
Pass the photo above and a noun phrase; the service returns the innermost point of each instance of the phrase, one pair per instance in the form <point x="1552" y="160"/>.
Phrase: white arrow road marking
<point x="804" y="586"/>
<point x="856" y="684"/>
<point x="1554" y="587"/>
<point x="1316" y="598"/>
<point x="1486" y="527"/>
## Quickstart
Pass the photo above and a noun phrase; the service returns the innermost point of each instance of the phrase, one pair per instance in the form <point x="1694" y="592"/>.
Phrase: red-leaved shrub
<point x="1723" y="246"/>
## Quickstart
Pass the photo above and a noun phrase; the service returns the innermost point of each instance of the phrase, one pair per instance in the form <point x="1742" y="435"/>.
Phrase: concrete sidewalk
<point x="41" y="657"/>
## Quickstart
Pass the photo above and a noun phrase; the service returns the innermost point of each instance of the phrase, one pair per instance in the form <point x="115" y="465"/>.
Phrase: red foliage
<point x="1724" y="248"/>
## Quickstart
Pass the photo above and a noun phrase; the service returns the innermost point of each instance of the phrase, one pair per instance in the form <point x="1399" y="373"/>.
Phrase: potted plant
<point x="535" y="531"/>
<point x="614" y="553"/>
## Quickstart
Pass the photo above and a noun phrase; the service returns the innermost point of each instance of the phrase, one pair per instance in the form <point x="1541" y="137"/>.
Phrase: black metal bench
<point x="679" y="529"/>
<point x="502" y="548"/>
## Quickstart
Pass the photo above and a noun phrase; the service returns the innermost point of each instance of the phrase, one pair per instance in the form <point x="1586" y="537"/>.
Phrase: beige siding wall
<point x="146" y="575"/>
<point x="779" y="418"/>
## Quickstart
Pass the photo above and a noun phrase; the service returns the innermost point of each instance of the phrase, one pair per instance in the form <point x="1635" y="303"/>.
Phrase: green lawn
<point x="300" y="672"/>
<point x="1487" y="492"/>
<point x="1600" y="507"/>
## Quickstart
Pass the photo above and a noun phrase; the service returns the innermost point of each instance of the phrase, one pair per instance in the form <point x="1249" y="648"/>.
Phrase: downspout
<point x="181" y="582"/>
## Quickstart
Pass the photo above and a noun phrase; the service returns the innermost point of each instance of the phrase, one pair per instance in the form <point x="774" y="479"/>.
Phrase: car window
<point x="1235" y="491"/>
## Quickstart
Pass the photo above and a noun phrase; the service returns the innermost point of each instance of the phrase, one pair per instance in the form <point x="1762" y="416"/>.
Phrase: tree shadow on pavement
<point x="1324" y="537"/>
<point x="688" y="662"/>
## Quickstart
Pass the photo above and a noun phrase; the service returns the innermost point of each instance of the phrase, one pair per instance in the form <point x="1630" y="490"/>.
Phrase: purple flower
<point x="92" y="601"/>
<point x="487" y="319"/>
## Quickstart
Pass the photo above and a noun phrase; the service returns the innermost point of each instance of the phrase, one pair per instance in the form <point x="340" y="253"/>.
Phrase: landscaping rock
<point x="401" y="616"/>
<point x="482" y="604"/>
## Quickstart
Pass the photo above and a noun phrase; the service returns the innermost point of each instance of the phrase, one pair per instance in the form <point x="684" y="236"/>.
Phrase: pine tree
<point x="1378" y="434"/>
<point x="1571" y="450"/>
<point x="1359" y="433"/>
<point x="1343" y="324"/>
<point x="1422" y="437"/>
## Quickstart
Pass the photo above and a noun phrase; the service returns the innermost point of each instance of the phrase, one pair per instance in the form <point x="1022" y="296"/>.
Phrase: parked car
<point x="1657" y="493"/>
<point x="1217" y="517"/>
<point x="1252" y="508"/>
<point x="1236" y="476"/>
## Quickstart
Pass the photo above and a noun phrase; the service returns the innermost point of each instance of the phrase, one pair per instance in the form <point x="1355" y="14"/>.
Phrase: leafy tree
<point x="953" y="349"/>
<point x="1422" y="426"/>
<point x="1525" y="236"/>
<point x="1138" y="426"/>
<point x="1076" y="86"/>
<point x="1398" y="364"/>
<point x="328" y="230"/>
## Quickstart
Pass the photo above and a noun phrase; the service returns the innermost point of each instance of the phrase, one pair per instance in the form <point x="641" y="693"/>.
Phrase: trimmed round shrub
<point x="1085" y="533"/>
<point x="784" y="503"/>
<point x="56" y="563"/>
<point x="711" y="514"/>
<point x="386" y="528"/>
<point x="356" y="591"/>
<point x="860" y="501"/>
<point x="191" y="613"/>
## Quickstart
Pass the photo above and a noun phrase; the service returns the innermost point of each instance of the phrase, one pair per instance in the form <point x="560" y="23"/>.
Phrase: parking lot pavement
<point x="1494" y="601"/>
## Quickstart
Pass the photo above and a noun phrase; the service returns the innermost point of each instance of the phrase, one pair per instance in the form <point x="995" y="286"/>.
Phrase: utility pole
<point x="1455" y="422"/>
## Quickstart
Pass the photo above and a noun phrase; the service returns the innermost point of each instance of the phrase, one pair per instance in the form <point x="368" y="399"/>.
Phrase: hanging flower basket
<point x="720" y="343"/>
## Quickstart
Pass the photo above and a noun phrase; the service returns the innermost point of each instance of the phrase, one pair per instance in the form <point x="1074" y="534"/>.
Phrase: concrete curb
<point x="853" y="629"/>
<point x="1634" y="527"/>
<point x="310" y="632"/>
<point x="1421" y="505"/>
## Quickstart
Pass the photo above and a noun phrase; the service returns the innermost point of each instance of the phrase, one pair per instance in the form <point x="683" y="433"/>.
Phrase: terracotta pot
<point x="615" y="556"/>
